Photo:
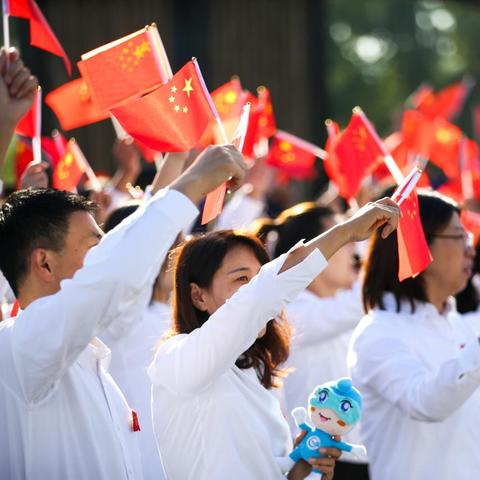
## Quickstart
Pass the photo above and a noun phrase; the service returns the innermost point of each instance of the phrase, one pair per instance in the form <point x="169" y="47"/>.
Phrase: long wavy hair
<point x="197" y="261"/>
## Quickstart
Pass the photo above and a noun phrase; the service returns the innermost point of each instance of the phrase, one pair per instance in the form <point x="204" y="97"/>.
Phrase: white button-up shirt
<point x="132" y="353"/>
<point x="213" y="420"/>
<point x="419" y="375"/>
<point x="61" y="415"/>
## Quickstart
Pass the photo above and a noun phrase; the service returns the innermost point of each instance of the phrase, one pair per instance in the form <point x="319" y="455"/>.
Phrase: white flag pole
<point x="80" y="157"/>
<point x="6" y="27"/>
<point x="37" y="138"/>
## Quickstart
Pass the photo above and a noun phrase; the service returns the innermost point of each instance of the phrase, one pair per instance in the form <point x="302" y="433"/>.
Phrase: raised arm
<point x="50" y="334"/>
<point x="17" y="90"/>
<point x="189" y="363"/>
<point x="382" y="361"/>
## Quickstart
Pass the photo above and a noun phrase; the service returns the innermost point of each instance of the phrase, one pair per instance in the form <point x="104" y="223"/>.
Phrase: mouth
<point x="323" y="418"/>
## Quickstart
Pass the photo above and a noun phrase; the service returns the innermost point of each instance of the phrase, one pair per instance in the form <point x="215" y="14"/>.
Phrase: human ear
<point x="197" y="294"/>
<point x="41" y="264"/>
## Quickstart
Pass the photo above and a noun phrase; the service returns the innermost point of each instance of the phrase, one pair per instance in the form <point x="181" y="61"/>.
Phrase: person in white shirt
<point x="416" y="360"/>
<point x="214" y="416"/>
<point x="61" y="414"/>
<point x="322" y="318"/>
<point x="133" y="343"/>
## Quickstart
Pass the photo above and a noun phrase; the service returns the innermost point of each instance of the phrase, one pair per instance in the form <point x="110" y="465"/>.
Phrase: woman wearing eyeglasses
<point x="416" y="360"/>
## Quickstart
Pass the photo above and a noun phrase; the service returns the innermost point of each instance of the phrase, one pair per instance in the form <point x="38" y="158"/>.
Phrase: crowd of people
<point x="133" y="347"/>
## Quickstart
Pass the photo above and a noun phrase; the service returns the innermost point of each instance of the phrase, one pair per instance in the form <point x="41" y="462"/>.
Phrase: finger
<point x="29" y="88"/>
<point x="13" y="69"/>
<point x="13" y="54"/>
<point x="331" y="452"/>
<point x="387" y="201"/>
<point x="3" y="60"/>
<point x="322" y="461"/>
<point x="17" y="83"/>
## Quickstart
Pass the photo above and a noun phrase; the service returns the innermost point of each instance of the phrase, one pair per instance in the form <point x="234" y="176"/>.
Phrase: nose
<point x="341" y="423"/>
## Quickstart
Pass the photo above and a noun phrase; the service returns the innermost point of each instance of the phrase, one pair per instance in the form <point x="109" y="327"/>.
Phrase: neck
<point x="31" y="291"/>
<point x="160" y="295"/>
<point x="437" y="297"/>
<point x="322" y="289"/>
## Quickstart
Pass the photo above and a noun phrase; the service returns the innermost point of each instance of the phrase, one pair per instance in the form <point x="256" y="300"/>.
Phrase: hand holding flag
<point x="17" y="87"/>
<point x="413" y="253"/>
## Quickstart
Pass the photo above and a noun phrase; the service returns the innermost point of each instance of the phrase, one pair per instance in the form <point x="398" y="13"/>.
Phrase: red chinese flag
<point x="292" y="155"/>
<point x="446" y="103"/>
<point x="125" y="68"/>
<point x="445" y="150"/>
<point x="29" y="123"/>
<point x="418" y="133"/>
<point x="73" y="106"/>
<point x="476" y="121"/>
<point x="357" y="153"/>
<point x="266" y="122"/>
<point x="41" y="35"/>
<point x="251" y="136"/>
<point x="174" y="116"/>
<point x="261" y="124"/>
<point x="413" y="253"/>
<point x="23" y="156"/>
<point x="68" y="172"/>
<point x="228" y="99"/>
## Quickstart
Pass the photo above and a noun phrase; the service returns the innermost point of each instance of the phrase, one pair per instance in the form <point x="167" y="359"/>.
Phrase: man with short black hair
<point x="61" y="415"/>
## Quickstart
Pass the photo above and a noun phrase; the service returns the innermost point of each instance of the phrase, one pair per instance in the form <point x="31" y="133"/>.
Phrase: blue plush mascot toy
<point x="334" y="409"/>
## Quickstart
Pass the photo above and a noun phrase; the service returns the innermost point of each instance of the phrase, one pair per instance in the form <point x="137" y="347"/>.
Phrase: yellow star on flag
<point x="176" y="108"/>
<point x="188" y="87"/>
<point x="185" y="109"/>
<point x="173" y="89"/>
<point x="171" y="99"/>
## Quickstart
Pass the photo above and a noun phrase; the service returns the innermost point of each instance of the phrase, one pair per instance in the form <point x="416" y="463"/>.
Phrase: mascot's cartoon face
<point x="335" y="407"/>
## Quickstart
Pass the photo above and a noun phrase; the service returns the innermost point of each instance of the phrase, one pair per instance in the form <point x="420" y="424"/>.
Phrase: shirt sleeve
<point x="319" y="320"/>
<point x="240" y="211"/>
<point x="50" y="333"/>
<point x="382" y="361"/>
<point x="189" y="363"/>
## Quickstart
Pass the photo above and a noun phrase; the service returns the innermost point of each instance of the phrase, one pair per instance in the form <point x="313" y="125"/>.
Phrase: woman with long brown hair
<point x="213" y="414"/>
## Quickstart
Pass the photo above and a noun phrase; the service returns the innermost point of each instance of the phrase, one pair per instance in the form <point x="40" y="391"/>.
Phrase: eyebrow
<point x="239" y="269"/>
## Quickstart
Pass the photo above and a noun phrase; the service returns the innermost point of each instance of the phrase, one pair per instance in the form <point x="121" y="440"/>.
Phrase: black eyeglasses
<point x="467" y="237"/>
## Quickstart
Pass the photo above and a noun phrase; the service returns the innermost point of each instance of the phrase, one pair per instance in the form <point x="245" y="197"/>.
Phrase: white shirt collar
<point x="422" y="309"/>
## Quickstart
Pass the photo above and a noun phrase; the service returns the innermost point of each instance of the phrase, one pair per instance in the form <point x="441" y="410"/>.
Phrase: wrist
<point x="344" y="233"/>
<point x="190" y="186"/>
<point x="7" y="126"/>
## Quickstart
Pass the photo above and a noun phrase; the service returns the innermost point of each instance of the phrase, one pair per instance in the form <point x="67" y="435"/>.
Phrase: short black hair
<point x="34" y="218"/>
<point x="118" y="215"/>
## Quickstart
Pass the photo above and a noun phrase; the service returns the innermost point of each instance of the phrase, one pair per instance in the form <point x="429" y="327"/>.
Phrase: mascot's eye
<point x="345" y="406"/>
<point x="322" y="396"/>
